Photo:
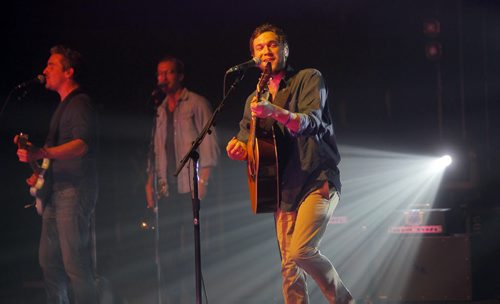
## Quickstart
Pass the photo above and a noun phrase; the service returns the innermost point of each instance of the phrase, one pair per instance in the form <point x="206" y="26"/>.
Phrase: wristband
<point x="288" y="120"/>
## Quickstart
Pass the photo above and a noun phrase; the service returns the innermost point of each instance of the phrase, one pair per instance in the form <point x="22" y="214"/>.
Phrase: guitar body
<point x="39" y="182"/>
<point x="262" y="168"/>
<point x="40" y="192"/>
<point x="262" y="160"/>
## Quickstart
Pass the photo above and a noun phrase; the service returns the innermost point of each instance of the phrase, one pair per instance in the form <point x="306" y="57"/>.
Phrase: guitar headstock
<point x="22" y="140"/>
<point x="264" y="78"/>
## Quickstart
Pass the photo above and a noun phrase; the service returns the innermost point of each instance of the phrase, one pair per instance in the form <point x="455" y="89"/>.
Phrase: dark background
<point x="383" y="90"/>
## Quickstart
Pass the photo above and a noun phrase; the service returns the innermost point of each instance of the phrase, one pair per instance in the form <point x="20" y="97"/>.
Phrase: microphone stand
<point x="6" y="102"/>
<point x="194" y="156"/>
<point x="152" y="166"/>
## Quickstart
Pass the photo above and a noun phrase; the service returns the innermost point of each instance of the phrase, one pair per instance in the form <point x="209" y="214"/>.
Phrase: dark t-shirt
<point x="77" y="121"/>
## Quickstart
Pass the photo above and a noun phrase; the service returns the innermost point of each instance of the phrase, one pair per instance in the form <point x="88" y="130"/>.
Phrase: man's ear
<point x="70" y="72"/>
<point x="286" y="51"/>
<point x="181" y="78"/>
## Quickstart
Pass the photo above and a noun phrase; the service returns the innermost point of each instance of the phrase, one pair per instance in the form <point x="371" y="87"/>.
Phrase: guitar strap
<point x="53" y="135"/>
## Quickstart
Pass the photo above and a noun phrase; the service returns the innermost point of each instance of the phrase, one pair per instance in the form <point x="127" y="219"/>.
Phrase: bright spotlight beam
<point x="442" y="162"/>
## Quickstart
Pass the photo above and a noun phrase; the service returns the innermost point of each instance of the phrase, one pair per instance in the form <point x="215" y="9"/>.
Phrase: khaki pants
<point x="299" y="234"/>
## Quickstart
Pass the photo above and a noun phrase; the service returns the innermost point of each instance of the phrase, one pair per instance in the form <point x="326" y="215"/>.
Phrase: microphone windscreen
<point x="41" y="79"/>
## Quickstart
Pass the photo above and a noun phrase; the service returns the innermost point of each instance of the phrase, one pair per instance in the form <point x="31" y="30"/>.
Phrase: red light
<point x="433" y="50"/>
<point x="432" y="27"/>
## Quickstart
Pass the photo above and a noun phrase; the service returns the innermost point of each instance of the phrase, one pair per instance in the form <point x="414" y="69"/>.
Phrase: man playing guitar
<point x="64" y="251"/>
<point x="308" y="176"/>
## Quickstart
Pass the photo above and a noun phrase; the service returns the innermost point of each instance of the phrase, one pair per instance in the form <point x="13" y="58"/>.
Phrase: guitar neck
<point x="35" y="167"/>
<point x="22" y="143"/>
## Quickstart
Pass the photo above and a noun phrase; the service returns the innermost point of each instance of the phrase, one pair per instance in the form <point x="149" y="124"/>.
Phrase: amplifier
<point x="419" y="221"/>
<point x="418" y="268"/>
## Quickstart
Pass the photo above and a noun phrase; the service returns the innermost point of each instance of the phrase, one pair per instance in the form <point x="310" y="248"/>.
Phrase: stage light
<point x="431" y="27"/>
<point x="433" y="50"/>
<point x="442" y="162"/>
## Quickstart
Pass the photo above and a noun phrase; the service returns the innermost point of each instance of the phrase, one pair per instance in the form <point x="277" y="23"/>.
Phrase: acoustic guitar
<point x="39" y="182"/>
<point x="262" y="160"/>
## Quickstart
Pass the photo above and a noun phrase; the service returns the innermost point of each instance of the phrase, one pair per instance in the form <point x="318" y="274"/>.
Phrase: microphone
<point x="40" y="79"/>
<point x="245" y="65"/>
<point x="158" y="95"/>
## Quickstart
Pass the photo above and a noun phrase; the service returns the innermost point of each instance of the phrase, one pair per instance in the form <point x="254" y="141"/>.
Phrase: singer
<point x="308" y="158"/>
<point x="180" y="117"/>
<point x="65" y="252"/>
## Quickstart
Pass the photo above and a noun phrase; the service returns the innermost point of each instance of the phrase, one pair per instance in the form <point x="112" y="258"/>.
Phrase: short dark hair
<point x="268" y="27"/>
<point x="71" y="59"/>
<point x="179" y="65"/>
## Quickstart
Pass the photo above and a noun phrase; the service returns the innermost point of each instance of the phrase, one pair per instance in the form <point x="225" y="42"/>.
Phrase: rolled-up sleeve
<point x="311" y="98"/>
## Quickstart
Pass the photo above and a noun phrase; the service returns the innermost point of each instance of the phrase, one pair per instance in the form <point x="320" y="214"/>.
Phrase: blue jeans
<point x="65" y="253"/>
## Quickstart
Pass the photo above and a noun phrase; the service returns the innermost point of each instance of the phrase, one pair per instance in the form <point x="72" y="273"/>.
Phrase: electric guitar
<point x="262" y="160"/>
<point x="39" y="182"/>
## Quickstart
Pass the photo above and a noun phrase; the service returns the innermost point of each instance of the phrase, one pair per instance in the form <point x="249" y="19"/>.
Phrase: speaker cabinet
<point x="434" y="268"/>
